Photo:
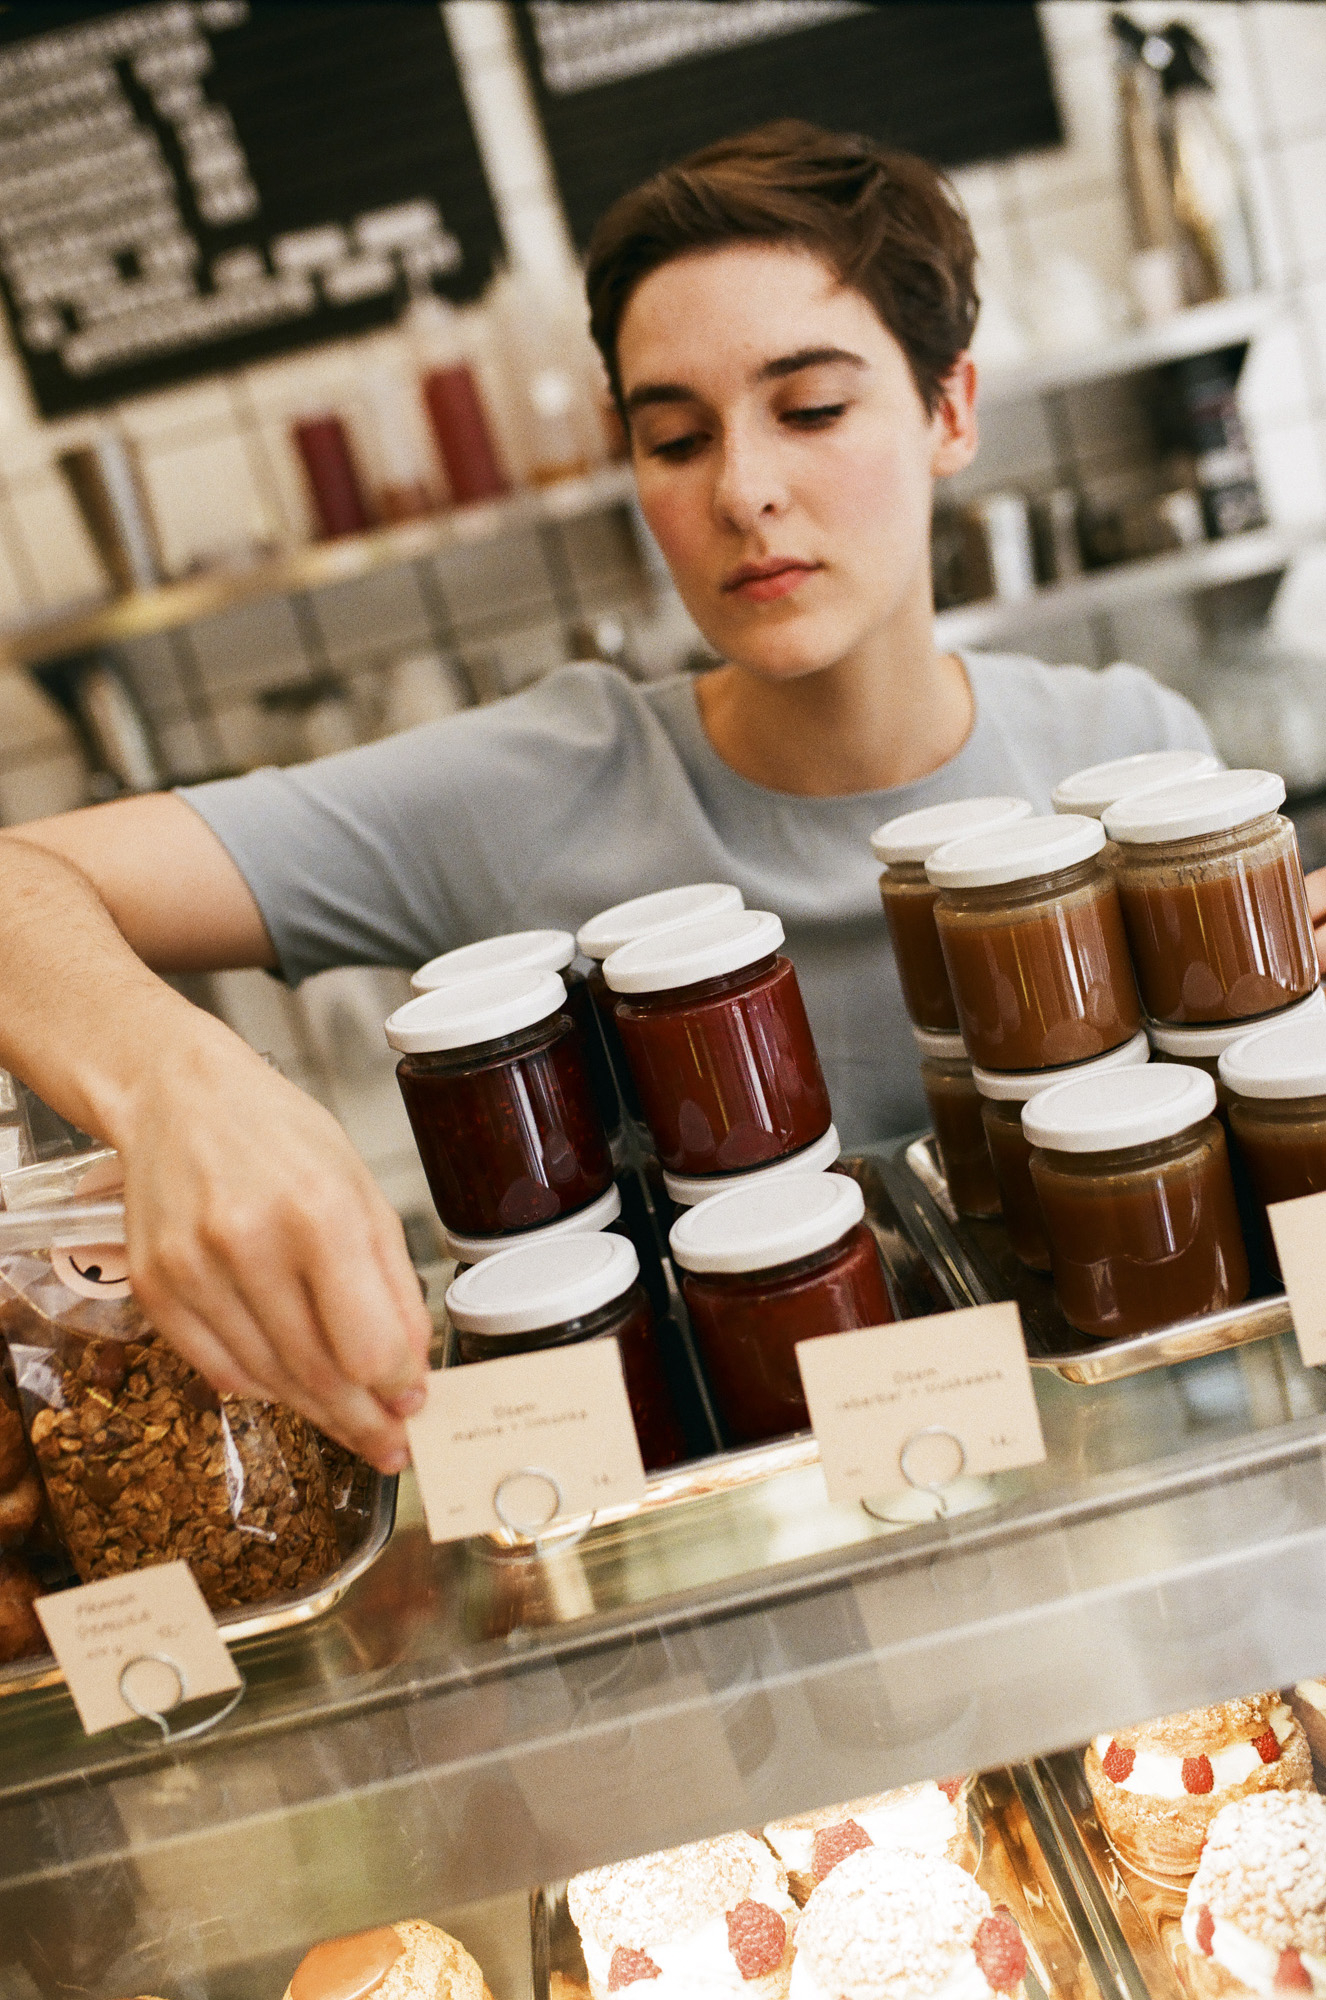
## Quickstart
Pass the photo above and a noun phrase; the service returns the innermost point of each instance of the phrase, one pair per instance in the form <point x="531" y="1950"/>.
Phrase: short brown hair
<point x="887" y="222"/>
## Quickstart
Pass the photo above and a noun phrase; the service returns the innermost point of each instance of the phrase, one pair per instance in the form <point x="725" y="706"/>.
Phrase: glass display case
<point x="472" y="1724"/>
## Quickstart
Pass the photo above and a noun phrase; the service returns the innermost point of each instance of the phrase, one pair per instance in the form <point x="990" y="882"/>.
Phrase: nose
<point x="749" y="484"/>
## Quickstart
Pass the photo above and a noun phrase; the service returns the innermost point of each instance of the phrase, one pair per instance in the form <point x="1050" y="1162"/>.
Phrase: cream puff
<point x="410" y="1960"/>
<point x="1308" y="1702"/>
<point x="1255" y="1918"/>
<point x="929" y="1818"/>
<point x="1158" y="1787"/>
<point x="896" y="1926"/>
<point x="692" y="1923"/>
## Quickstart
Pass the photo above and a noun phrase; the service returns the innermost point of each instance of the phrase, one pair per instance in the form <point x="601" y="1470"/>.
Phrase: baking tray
<point x="974" y="1262"/>
<point x="1012" y="1870"/>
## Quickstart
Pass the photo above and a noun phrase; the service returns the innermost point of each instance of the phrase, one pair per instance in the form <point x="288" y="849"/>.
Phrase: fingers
<point x="1316" y="884"/>
<point x="367" y="1303"/>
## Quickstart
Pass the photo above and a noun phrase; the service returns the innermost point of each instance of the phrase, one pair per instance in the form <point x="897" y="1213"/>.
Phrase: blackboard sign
<point x="189" y="185"/>
<point x="625" y="86"/>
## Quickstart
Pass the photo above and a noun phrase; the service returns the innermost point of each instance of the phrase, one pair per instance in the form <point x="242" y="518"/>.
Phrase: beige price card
<point x="1299" y="1229"/>
<point x="149" y="1634"/>
<point x="525" y="1441"/>
<point x="918" y="1403"/>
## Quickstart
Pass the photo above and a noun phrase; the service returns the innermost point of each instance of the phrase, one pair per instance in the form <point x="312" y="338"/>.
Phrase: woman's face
<point x="784" y="457"/>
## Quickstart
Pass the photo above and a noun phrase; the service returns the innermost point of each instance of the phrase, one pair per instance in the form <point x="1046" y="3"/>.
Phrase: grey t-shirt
<point x="588" y="788"/>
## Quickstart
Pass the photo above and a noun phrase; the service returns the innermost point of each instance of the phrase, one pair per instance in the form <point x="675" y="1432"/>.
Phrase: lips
<point x="761" y="582"/>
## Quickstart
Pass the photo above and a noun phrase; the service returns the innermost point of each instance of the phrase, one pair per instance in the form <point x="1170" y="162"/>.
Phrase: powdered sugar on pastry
<point x="1257" y="1904"/>
<point x="893" y="1926"/>
<point x="1162" y="1775"/>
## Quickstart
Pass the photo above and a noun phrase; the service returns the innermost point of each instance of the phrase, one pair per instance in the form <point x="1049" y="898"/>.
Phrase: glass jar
<point x="903" y="846"/>
<point x="1133" y="1180"/>
<point x="1034" y="943"/>
<point x="1002" y="1098"/>
<point x="763" y="1268"/>
<point x="500" y="1102"/>
<point x="955" y="1114"/>
<point x="684" y="1191"/>
<point x="557" y="1294"/>
<point x="715" y="1031"/>
<point x="605" y="1213"/>
<point x="1276" y="1080"/>
<point x="1098" y="787"/>
<point x="1213" y="898"/>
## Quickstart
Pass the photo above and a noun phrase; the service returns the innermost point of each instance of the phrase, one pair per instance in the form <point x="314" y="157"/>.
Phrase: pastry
<point x="1158" y="1787"/>
<point x="410" y="1960"/>
<point x="930" y="1818"/>
<point x="1255" y="1918"/>
<point x="1308" y="1702"/>
<point x="899" y="1926"/>
<point x="711" y="1918"/>
<point x="21" y="1634"/>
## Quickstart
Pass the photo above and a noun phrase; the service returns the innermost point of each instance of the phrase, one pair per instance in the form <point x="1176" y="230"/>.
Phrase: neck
<point x="889" y="712"/>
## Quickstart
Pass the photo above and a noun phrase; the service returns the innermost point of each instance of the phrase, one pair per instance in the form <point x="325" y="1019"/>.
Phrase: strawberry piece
<point x="1205" y="1929"/>
<point x="1117" y="1763"/>
<point x="1000" y="1952"/>
<point x="756" y="1938"/>
<point x="834" y="1843"/>
<point x="629" y="1966"/>
<point x="1198" y="1776"/>
<point x="1291" y="1975"/>
<point x="950" y="1787"/>
<point x="1267" y="1746"/>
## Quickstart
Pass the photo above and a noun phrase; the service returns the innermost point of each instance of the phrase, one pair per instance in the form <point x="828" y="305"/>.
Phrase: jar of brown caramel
<point x="1003" y="1094"/>
<point x="1212" y="892"/>
<point x="1276" y="1080"/>
<point x="1203" y="1047"/>
<point x="1034" y="943"/>
<point x="1132" y="1175"/>
<point x="903" y="846"/>
<point x="955" y="1115"/>
<point x="1096" y="788"/>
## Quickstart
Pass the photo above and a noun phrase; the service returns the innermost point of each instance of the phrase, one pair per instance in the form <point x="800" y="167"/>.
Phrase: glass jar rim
<point x="783" y="1218"/>
<point x="533" y="1286"/>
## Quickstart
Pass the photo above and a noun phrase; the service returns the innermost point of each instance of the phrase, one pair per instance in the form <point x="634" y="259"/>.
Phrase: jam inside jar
<point x="715" y="1031"/>
<point x="955" y="1112"/>
<point x="506" y="1123"/>
<point x="1275" y="1080"/>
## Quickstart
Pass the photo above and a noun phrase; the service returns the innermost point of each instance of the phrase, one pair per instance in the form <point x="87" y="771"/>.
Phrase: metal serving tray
<point x="1012" y="1870"/>
<point x="974" y="1262"/>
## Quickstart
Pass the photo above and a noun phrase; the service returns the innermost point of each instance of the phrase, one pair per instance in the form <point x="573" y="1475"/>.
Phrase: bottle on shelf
<point x="339" y="503"/>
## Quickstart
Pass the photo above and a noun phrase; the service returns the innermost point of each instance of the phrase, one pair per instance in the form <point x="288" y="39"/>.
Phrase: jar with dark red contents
<point x="557" y="1294"/>
<point x="1003" y="1095"/>
<point x="1276" y="1084"/>
<point x="1033" y="939"/>
<point x="903" y="846"/>
<point x="764" y="1267"/>
<point x="500" y="1102"/>
<point x="685" y="1190"/>
<point x="955" y="1117"/>
<point x="715" y="1031"/>
<point x="1093" y="790"/>
<point x="1213" y="898"/>
<point x="605" y="1213"/>
<point x="1132" y="1174"/>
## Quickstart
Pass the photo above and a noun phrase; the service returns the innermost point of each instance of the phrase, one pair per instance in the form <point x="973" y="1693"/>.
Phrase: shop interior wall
<point x="221" y="475"/>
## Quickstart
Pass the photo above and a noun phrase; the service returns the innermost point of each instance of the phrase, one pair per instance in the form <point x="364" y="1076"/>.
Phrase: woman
<point x="785" y="319"/>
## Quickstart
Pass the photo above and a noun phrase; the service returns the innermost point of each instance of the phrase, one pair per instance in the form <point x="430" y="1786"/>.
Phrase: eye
<point x="814" y="416"/>
<point x="676" y="450"/>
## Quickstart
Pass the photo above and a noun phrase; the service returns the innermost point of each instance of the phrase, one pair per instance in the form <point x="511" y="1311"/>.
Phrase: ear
<point x="953" y="428"/>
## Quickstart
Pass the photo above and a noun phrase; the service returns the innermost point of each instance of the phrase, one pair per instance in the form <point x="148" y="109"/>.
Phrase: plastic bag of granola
<point x="141" y="1461"/>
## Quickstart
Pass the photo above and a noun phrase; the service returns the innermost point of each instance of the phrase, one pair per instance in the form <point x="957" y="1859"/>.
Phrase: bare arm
<point x="258" y="1240"/>
<point x="1317" y="904"/>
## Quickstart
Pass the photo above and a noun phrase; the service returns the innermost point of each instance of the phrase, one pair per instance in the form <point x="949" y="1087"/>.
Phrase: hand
<point x="261" y="1247"/>
<point x="1317" y="904"/>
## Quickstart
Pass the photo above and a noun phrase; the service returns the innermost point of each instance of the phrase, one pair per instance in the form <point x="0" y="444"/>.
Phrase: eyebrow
<point x="771" y="371"/>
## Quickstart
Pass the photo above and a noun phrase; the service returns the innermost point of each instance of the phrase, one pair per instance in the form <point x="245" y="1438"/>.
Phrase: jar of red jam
<point x="499" y="1097"/>
<point x="1003" y="1094"/>
<point x="1034" y="943"/>
<point x="605" y="1213"/>
<point x="1213" y="898"/>
<point x="1132" y="1175"/>
<point x="557" y="1294"/>
<point x="1099" y="786"/>
<point x="715" y="1031"/>
<point x="763" y="1268"/>
<point x="903" y="846"/>
<point x="1276" y="1080"/>
<point x="684" y="1191"/>
<point x="955" y="1116"/>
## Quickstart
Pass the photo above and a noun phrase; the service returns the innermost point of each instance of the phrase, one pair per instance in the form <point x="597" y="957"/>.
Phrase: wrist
<point x="176" y="1051"/>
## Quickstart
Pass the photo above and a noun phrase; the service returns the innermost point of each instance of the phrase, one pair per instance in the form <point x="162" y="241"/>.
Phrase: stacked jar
<point x="1275" y="1084"/>
<point x="1094" y="790"/>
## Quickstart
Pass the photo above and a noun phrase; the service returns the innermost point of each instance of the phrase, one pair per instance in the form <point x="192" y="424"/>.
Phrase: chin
<point x="782" y="653"/>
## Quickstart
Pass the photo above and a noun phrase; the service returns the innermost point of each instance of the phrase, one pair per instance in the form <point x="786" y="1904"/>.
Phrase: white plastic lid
<point x="1016" y="853"/>
<point x="1218" y="1036"/>
<point x="688" y="1189"/>
<point x="1016" y="1086"/>
<point x="685" y="954"/>
<point x="478" y="1010"/>
<point x="1130" y="1107"/>
<point x="536" y="1285"/>
<point x="782" y="1218"/>
<point x="1217" y="803"/>
<point x="548" y="951"/>
<point x="914" y="836"/>
<point x="585" y="1221"/>
<point x="942" y="1046"/>
<point x="1092" y="790"/>
<point x="1286" y="1059"/>
<point x="611" y="929"/>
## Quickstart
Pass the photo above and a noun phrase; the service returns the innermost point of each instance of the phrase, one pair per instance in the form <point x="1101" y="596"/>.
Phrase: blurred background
<point x="302" y="439"/>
